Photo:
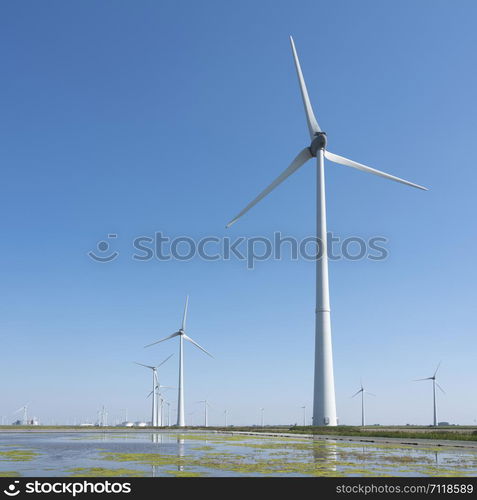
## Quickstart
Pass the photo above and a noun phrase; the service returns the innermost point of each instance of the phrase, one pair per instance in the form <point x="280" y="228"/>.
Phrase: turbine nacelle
<point x="318" y="143"/>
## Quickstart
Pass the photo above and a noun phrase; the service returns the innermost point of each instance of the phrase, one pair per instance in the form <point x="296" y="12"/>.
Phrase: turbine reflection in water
<point x="325" y="455"/>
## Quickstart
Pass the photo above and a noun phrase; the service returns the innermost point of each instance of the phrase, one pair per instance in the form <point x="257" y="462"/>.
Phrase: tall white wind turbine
<point x="434" y="384"/>
<point x="324" y="406"/>
<point x="363" y="391"/>
<point x="154" y="421"/>
<point x="182" y="336"/>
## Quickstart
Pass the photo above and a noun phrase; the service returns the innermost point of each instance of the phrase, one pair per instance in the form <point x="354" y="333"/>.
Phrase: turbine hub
<point x="318" y="142"/>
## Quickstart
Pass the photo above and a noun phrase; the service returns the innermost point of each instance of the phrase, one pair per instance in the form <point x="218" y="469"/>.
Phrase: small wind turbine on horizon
<point x="182" y="336"/>
<point x="24" y="409"/>
<point x="206" y="406"/>
<point x="362" y="391"/>
<point x="434" y="384"/>
<point x="153" y="392"/>
<point x="304" y="415"/>
<point x="324" y="402"/>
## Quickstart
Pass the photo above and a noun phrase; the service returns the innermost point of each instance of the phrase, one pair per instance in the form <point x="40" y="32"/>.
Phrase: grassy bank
<point x="454" y="434"/>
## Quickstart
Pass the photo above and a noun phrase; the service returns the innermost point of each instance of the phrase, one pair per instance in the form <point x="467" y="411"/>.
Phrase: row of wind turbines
<point x="158" y="418"/>
<point x="435" y="384"/>
<point x="324" y="401"/>
<point x="157" y="412"/>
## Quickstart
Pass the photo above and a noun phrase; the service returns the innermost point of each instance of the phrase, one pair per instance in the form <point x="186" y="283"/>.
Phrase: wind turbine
<point x="102" y="417"/>
<point x="261" y="416"/>
<point x="304" y="415"/>
<point x="182" y="336"/>
<point x="434" y="384"/>
<point x="206" y="406"/>
<point x="159" y="399"/>
<point x="363" y="391"/>
<point x="24" y="409"/>
<point x="154" y="377"/>
<point x="324" y="405"/>
<point x="225" y="418"/>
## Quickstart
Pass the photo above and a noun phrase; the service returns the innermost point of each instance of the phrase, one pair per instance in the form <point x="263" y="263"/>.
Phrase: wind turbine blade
<point x="354" y="164"/>
<point x="162" y="340"/>
<point x="313" y="126"/>
<point x="420" y="379"/>
<point x="184" y="317"/>
<point x="169" y="357"/>
<point x="438" y="366"/>
<point x="370" y="393"/>
<point x="149" y="394"/>
<point x="442" y="390"/>
<point x="356" y="393"/>
<point x="303" y="156"/>
<point x="197" y="345"/>
<point x="145" y="366"/>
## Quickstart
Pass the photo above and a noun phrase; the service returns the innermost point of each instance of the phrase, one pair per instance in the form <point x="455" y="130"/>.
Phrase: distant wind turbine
<point x="159" y="399"/>
<point x="206" y="406"/>
<point x="23" y="409"/>
<point x="182" y="336"/>
<point x="434" y="384"/>
<point x="363" y="391"/>
<point x="154" y="377"/>
<point x="304" y="415"/>
<point x="324" y="405"/>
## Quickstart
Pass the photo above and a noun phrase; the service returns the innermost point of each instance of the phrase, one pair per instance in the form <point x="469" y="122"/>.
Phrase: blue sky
<point x="136" y="117"/>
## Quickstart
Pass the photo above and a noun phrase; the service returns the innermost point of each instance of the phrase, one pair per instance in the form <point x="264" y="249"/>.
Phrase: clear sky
<point x="140" y="117"/>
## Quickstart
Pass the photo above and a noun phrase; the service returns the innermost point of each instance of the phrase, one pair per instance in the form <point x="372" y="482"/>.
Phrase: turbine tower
<point x="324" y="405"/>
<point x="154" y="422"/>
<point x="363" y="391"/>
<point x="206" y="406"/>
<point x="434" y="384"/>
<point x="159" y="399"/>
<point x="182" y="336"/>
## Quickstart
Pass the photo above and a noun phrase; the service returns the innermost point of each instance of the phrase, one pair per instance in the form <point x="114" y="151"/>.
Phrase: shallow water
<point x="213" y="454"/>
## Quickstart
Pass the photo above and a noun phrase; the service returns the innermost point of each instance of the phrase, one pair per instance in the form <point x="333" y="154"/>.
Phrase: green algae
<point x="18" y="455"/>
<point x="102" y="472"/>
<point x="9" y="473"/>
<point x="179" y="473"/>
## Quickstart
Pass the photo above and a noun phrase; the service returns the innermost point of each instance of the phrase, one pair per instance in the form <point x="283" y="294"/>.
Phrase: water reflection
<point x="325" y="455"/>
<point x="180" y="453"/>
